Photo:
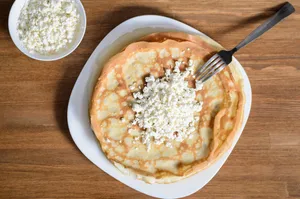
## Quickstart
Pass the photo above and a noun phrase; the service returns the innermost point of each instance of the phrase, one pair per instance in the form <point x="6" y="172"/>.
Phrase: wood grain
<point x="38" y="158"/>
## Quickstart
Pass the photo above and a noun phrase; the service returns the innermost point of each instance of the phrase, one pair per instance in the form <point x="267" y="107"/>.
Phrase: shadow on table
<point x="5" y="6"/>
<point x="121" y="14"/>
<point x="260" y="17"/>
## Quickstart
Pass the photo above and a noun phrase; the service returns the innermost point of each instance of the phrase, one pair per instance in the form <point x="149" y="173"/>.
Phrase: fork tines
<point x="214" y="65"/>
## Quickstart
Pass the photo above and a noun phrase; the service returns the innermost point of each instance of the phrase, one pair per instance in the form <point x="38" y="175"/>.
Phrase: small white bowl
<point x="13" y="24"/>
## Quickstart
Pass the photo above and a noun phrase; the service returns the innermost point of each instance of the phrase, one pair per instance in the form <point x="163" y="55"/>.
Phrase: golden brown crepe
<point x="111" y="113"/>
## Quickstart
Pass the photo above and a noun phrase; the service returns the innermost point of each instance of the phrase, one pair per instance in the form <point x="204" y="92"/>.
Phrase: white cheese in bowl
<point x="48" y="26"/>
<point x="166" y="108"/>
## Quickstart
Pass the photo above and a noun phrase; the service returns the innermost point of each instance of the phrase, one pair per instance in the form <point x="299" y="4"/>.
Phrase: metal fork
<point x="220" y="60"/>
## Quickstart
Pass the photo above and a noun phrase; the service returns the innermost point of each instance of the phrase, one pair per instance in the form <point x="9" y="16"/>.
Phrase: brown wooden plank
<point x="38" y="158"/>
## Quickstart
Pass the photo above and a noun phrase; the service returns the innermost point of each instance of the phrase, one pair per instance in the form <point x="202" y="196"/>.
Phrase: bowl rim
<point x="53" y="57"/>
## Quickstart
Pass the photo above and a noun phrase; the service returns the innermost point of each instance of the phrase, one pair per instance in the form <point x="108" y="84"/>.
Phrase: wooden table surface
<point x="38" y="158"/>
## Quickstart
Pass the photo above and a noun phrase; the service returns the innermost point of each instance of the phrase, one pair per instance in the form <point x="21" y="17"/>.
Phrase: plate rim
<point x="224" y="156"/>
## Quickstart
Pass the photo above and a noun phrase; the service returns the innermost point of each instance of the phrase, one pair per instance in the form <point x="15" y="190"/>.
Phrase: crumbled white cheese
<point x="132" y="87"/>
<point x="168" y="144"/>
<point x="199" y="85"/>
<point x="166" y="108"/>
<point x="47" y="26"/>
<point x="123" y="120"/>
<point x="191" y="62"/>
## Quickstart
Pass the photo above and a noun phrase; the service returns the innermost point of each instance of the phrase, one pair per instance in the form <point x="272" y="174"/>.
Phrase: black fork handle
<point x="282" y="13"/>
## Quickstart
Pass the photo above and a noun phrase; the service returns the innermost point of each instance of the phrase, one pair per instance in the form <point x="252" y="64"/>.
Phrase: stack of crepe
<point x="111" y="113"/>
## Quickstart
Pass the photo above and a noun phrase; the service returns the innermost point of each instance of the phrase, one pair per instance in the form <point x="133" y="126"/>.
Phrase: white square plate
<point x="78" y="109"/>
